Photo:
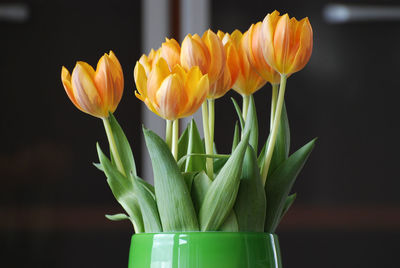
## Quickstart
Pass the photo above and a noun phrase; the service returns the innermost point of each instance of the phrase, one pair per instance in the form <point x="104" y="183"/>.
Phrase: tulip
<point x="248" y="80"/>
<point x="251" y="43"/>
<point x="207" y="53"/>
<point x="171" y="94"/>
<point x="95" y="92"/>
<point x="286" y="43"/>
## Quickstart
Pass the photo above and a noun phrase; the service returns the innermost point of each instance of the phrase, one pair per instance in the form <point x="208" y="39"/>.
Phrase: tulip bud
<point x="95" y="92"/>
<point x="286" y="43"/>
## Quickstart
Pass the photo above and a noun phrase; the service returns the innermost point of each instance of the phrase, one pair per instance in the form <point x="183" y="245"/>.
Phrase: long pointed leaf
<point x="288" y="203"/>
<point x="122" y="189"/>
<point x="123" y="147"/>
<point x="183" y="144"/>
<point x="148" y="206"/>
<point x="173" y="198"/>
<point x="195" y="145"/>
<point x="239" y="113"/>
<point x="201" y="183"/>
<point x="252" y="124"/>
<point x="221" y="195"/>
<point x="117" y="217"/>
<point x="231" y="223"/>
<point x="279" y="184"/>
<point x="236" y="137"/>
<point x="250" y="205"/>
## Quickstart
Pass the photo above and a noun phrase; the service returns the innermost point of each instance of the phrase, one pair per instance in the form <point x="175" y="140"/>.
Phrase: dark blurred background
<point x="52" y="201"/>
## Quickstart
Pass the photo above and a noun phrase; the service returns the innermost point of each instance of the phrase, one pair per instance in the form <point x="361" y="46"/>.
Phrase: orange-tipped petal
<point x="171" y="97"/>
<point x="85" y="92"/>
<point x="194" y="53"/>
<point x="170" y="51"/>
<point x="217" y="55"/>
<point x="66" y="81"/>
<point x="140" y="77"/>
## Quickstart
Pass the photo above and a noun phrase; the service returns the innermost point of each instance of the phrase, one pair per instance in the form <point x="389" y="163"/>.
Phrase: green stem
<point x="211" y="118"/>
<point x="175" y="136"/>
<point x="168" y="133"/>
<point x="208" y="144"/>
<point x="275" y="127"/>
<point x="245" y="107"/>
<point x="113" y="146"/>
<point x="274" y="98"/>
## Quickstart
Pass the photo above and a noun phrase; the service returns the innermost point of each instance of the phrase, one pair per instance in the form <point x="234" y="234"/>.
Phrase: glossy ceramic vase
<point x="204" y="250"/>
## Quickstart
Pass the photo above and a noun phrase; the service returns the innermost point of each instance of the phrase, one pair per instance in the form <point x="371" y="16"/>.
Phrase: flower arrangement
<point x="195" y="187"/>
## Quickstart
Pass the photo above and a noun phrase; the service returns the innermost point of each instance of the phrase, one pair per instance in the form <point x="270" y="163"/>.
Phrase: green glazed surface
<point x="204" y="250"/>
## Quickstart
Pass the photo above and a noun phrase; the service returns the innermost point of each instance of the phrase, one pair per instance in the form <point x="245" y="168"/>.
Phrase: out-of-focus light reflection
<point x="14" y="12"/>
<point x="341" y="13"/>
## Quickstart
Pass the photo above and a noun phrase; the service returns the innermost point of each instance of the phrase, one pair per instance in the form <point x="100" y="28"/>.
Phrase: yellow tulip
<point x="171" y="94"/>
<point x="207" y="53"/>
<point x="248" y="80"/>
<point x="286" y="43"/>
<point x="251" y="43"/>
<point x="95" y="92"/>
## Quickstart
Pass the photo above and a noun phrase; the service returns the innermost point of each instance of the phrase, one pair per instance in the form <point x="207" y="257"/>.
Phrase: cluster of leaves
<point x="184" y="198"/>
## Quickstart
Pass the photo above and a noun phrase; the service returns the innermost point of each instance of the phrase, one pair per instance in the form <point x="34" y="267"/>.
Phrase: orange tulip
<point x="171" y="94"/>
<point x="95" y="92"/>
<point x="207" y="53"/>
<point x="251" y="42"/>
<point x="286" y="43"/>
<point x="248" y="80"/>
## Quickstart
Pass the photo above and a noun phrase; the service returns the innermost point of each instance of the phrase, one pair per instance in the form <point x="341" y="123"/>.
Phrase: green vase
<point x="204" y="250"/>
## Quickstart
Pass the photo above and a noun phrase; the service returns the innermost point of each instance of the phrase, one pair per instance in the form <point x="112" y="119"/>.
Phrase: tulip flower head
<point x="207" y="53"/>
<point x="251" y="43"/>
<point x="171" y="94"/>
<point x="286" y="43"/>
<point x="95" y="92"/>
<point x="248" y="80"/>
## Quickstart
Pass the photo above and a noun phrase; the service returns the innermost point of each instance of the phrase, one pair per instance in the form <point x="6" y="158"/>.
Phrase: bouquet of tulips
<point x="195" y="187"/>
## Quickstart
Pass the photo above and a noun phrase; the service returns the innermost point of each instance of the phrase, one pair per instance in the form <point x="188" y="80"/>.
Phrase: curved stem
<point x="275" y="127"/>
<point x="274" y="98"/>
<point x="168" y="133"/>
<point x="245" y="107"/>
<point x="209" y="149"/>
<point x="113" y="146"/>
<point x="175" y="135"/>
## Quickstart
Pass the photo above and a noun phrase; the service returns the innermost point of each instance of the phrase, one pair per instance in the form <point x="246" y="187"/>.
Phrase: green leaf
<point x="282" y="145"/>
<point x="183" y="144"/>
<point x="148" y="206"/>
<point x="250" y="205"/>
<point x="252" y="124"/>
<point x="219" y="164"/>
<point x="221" y="195"/>
<point x="147" y="186"/>
<point x="98" y="166"/>
<point x="201" y="183"/>
<point x="122" y="189"/>
<point x="173" y="198"/>
<point x="279" y="184"/>
<point x="236" y="137"/>
<point x="123" y="147"/>
<point x="117" y="217"/>
<point x="188" y="177"/>
<point x="239" y="113"/>
<point x="230" y="224"/>
<point x="204" y="156"/>
<point x="195" y="145"/>
<point x="288" y="203"/>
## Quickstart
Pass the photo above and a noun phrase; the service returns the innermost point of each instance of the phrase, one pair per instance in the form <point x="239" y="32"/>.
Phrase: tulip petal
<point x="103" y="81"/>
<point x="217" y="55"/>
<point x="170" y="51"/>
<point x="170" y="97"/>
<point x="66" y="81"/>
<point x="156" y="77"/>
<point x="140" y="77"/>
<point x="304" y="36"/>
<point x="194" y="53"/>
<point x="85" y="91"/>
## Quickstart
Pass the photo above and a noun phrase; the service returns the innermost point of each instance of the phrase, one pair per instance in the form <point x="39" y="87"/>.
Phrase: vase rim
<point x="207" y="232"/>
